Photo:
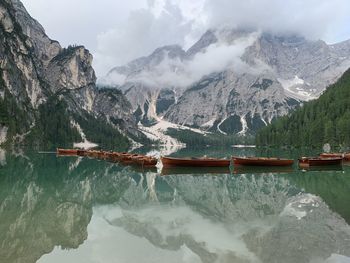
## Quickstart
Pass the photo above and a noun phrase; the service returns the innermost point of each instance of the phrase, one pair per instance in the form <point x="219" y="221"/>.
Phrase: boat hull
<point x="262" y="161"/>
<point x="345" y="156"/>
<point x="67" y="152"/>
<point x="145" y="161"/>
<point x="193" y="162"/>
<point x="81" y="153"/>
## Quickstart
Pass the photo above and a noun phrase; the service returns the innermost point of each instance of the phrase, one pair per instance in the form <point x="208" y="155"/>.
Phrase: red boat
<point x="92" y="153"/>
<point x="319" y="161"/>
<point x="262" y="161"/>
<point x="345" y="156"/>
<point x="101" y="154"/>
<point x="67" y="151"/>
<point x="128" y="158"/>
<point x="81" y="152"/>
<point x="194" y="162"/>
<point x="146" y="161"/>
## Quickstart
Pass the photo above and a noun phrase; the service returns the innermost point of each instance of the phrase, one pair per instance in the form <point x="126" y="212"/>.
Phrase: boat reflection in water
<point x="195" y="170"/>
<point x="239" y="169"/>
<point x="322" y="168"/>
<point x="145" y="169"/>
<point x="82" y="210"/>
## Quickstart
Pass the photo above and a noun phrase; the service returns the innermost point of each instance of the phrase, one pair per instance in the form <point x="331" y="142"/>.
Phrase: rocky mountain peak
<point x="284" y="39"/>
<point x="172" y="51"/>
<point x="44" y="47"/>
<point x="71" y="69"/>
<point x="274" y="72"/>
<point x="160" y="54"/>
<point x="38" y="78"/>
<point x="206" y="40"/>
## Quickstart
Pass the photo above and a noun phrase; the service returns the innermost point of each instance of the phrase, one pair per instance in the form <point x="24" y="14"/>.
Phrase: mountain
<point x="48" y="94"/>
<point x="230" y="81"/>
<point x="325" y="120"/>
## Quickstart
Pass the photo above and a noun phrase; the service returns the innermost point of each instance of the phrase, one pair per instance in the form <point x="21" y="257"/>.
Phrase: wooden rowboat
<point x="345" y="156"/>
<point x="101" y="154"/>
<point x="67" y="151"/>
<point x="81" y="152"/>
<point x="319" y="161"/>
<point x="195" y="162"/>
<point x="145" y="160"/>
<point x="262" y="161"/>
<point x="92" y="153"/>
<point x="128" y="158"/>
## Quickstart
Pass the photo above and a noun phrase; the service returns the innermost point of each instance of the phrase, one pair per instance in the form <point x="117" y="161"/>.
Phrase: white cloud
<point x="145" y="30"/>
<point x="311" y="18"/>
<point x="176" y="73"/>
<point x="119" y="31"/>
<point x="80" y="21"/>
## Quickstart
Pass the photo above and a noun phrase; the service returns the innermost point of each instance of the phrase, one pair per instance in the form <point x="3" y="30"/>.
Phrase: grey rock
<point x="276" y="74"/>
<point x="33" y="68"/>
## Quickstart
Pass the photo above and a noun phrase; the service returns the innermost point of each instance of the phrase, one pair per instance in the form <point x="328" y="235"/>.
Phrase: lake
<point x="73" y="209"/>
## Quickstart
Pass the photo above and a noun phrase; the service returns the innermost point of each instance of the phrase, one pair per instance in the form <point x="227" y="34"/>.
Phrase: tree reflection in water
<point x="105" y="212"/>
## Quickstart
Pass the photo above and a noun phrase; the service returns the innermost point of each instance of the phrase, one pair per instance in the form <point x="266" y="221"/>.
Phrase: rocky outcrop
<point x="266" y="76"/>
<point x="35" y="69"/>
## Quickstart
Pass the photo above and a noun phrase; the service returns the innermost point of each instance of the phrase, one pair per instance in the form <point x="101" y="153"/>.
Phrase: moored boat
<point x="81" y="152"/>
<point x="319" y="161"/>
<point x="145" y="160"/>
<point x="92" y="153"/>
<point x="127" y="158"/>
<point x="67" y="151"/>
<point x="101" y="154"/>
<point x="262" y="161"/>
<point x="345" y="156"/>
<point x="195" y="162"/>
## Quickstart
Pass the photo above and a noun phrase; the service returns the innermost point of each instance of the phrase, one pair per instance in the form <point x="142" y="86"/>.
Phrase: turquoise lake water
<point x="72" y="209"/>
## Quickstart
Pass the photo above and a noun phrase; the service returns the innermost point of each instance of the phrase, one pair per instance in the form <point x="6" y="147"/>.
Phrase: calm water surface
<point x="69" y="209"/>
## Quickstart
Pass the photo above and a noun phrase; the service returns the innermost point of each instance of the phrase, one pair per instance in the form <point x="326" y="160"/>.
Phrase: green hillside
<point x="325" y="120"/>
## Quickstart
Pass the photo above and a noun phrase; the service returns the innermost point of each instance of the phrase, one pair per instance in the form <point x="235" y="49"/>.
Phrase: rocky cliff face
<point x="231" y="81"/>
<point x="35" y="69"/>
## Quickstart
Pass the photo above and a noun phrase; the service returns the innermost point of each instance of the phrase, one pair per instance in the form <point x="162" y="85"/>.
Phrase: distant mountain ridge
<point x="268" y="76"/>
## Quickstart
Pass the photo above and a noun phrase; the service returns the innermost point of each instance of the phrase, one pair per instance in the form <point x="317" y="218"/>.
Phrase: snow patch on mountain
<point x="218" y="127"/>
<point x="208" y="123"/>
<point x="294" y="90"/>
<point x="244" y="126"/>
<point x="168" y="144"/>
<point x="156" y="132"/>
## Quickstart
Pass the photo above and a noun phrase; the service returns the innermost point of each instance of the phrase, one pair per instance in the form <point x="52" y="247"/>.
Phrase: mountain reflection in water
<point x="80" y="210"/>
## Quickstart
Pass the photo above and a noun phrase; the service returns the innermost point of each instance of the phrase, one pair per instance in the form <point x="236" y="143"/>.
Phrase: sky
<point x="117" y="32"/>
